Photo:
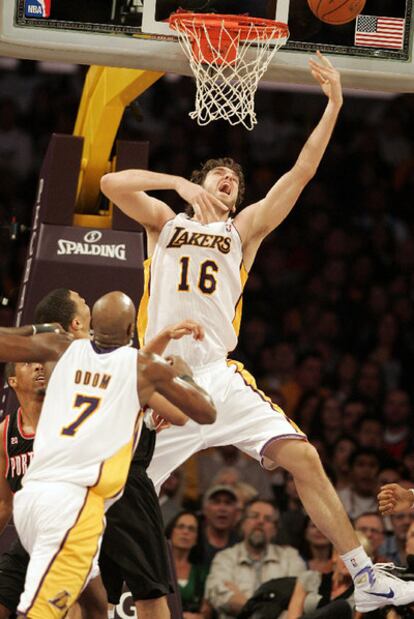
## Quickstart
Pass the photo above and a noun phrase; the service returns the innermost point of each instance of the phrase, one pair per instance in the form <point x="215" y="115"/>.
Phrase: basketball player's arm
<point x="166" y="410"/>
<point x="127" y="189"/>
<point x="41" y="348"/>
<point x="258" y="220"/>
<point x="28" y="330"/>
<point x="175" y="332"/>
<point x="156" y="374"/>
<point x="6" y="495"/>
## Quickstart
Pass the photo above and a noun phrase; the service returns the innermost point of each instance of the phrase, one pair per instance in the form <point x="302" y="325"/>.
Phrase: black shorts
<point x="133" y="546"/>
<point x="13" y="568"/>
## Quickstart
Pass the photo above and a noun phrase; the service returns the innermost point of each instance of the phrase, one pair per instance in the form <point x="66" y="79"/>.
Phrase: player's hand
<point x="159" y="422"/>
<point x="179" y="365"/>
<point x="328" y="77"/>
<point x="186" y="327"/>
<point x="392" y="498"/>
<point x="206" y="206"/>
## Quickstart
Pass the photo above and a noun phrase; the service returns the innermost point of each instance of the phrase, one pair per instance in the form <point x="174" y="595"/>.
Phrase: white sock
<point x="359" y="566"/>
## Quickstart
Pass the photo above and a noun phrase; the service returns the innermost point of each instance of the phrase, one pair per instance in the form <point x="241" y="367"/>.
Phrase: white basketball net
<point x="227" y="80"/>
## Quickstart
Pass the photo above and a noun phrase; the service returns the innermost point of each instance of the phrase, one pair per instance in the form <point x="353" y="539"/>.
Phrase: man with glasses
<point x="237" y="572"/>
<point x="372" y="526"/>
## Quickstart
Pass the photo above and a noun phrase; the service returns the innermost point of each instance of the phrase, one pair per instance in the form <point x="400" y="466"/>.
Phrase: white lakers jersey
<point x="196" y="273"/>
<point x="87" y="427"/>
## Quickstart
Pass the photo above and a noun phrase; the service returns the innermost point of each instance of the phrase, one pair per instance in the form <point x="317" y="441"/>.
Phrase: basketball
<point x="336" y="12"/>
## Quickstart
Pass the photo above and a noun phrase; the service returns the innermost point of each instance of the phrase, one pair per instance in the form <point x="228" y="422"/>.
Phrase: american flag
<point x="371" y="31"/>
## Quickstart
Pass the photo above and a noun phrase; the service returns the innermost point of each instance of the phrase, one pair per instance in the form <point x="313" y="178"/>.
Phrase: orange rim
<point x="241" y="24"/>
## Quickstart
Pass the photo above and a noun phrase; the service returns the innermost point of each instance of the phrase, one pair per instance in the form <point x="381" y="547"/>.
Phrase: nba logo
<point x="37" y="8"/>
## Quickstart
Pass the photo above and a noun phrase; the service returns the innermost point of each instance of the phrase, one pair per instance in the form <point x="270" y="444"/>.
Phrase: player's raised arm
<point x="127" y="189"/>
<point x="6" y="495"/>
<point x="43" y="347"/>
<point x="174" y="384"/>
<point x="258" y="220"/>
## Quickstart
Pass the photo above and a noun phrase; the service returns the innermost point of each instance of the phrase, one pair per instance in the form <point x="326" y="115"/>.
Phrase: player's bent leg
<point x="316" y="492"/>
<point x="93" y="600"/>
<point x="375" y="587"/>
<point x="153" y="609"/>
<point x="61" y="526"/>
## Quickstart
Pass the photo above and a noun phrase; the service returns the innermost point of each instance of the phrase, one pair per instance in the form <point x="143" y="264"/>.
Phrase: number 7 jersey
<point x="90" y="419"/>
<point x="196" y="273"/>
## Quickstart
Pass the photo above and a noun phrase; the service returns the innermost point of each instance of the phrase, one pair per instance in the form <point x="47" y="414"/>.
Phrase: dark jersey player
<point x="16" y="450"/>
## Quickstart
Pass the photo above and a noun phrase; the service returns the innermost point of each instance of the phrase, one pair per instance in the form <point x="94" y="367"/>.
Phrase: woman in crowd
<point x="316" y="549"/>
<point x="314" y="591"/>
<point x="183" y="532"/>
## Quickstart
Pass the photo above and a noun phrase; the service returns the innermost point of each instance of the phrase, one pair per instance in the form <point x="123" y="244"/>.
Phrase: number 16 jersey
<point x="196" y="273"/>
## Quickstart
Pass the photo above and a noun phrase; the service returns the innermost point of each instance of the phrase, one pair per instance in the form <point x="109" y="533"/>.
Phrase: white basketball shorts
<point x="246" y="418"/>
<point x="60" y="525"/>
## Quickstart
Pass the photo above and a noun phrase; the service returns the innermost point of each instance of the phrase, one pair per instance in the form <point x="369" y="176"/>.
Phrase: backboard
<point x="135" y="33"/>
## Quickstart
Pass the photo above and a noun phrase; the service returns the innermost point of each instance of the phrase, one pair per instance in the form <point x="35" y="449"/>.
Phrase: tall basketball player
<point x="83" y="446"/>
<point x="198" y="266"/>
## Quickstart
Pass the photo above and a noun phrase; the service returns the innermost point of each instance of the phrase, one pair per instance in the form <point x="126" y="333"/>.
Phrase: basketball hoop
<point x="228" y="55"/>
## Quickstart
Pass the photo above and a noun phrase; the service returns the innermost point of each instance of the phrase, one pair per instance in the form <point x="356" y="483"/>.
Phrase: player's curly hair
<point x="198" y="176"/>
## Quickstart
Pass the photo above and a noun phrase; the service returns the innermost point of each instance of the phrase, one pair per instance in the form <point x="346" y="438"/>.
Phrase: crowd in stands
<point x="327" y="330"/>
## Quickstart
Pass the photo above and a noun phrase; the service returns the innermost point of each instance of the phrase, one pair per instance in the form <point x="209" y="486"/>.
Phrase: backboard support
<point x="135" y="34"/>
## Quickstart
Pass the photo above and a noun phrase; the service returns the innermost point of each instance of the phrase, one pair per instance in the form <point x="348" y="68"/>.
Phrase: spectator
<point x="308" y="377"/>
<point x="372" y="526"/>
<point x="236" y="573"/>
<point x="395" y="545"/>
<point x="341" y="453"/>
<point x="240" y="467"/>
<point x="183" y="532"/>
<point x="316" y="549"/>
<point x="360" y="496"/>
<point x="316" y="590"/>
<point x="370" y="384"/>
<point x="292" y="519"/>
<point x="370" y="433"/>
<point x="398" y="422"/>
<point x="305" y="413"/>
<point x="221" y="514"/>
<point x="331" y="422"/>
<point x="354" y="410"/>
<point x="170" y="502"/>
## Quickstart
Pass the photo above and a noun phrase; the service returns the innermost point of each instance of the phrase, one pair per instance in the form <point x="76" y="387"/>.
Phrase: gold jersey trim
<point x="239" y="305"/>
<point x="250" y="381"/>
<point x="142" y="318"/>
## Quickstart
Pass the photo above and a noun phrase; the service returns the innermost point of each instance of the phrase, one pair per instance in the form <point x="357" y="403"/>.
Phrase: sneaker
<point x="378" y="586"/>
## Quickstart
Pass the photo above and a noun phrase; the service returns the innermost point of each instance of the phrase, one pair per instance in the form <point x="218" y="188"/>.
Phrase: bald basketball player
<point x="17" y="433"/>
<point x="84" y="443"/>
<point x="198" y="266"/>
<point x="133" y="547"/>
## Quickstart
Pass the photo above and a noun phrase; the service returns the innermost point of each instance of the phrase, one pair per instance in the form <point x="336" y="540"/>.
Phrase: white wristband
<point x="412" y="491"/>
<point x="34" y="329"/>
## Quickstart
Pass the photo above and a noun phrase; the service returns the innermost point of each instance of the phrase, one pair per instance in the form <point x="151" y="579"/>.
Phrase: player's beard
<point x="41" y="391"/>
